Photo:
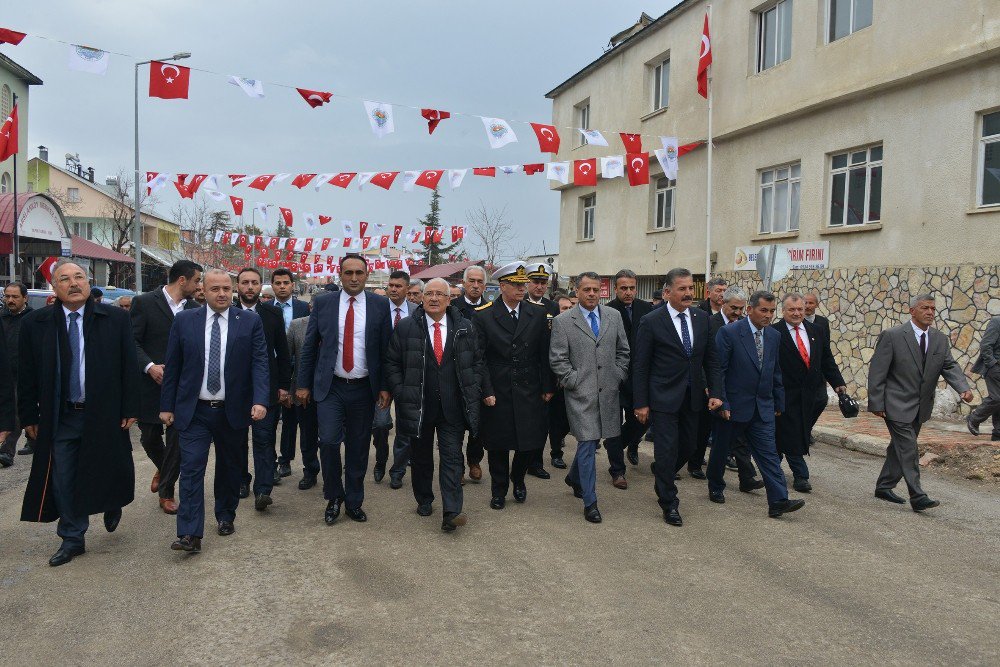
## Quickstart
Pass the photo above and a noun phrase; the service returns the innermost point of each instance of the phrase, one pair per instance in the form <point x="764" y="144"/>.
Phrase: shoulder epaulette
<point x="484" y="306"/>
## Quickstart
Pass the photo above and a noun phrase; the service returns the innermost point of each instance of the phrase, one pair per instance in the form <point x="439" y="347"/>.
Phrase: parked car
<point x="37" y="298"/>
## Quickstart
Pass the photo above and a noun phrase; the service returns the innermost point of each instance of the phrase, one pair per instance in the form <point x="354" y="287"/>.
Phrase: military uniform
<point x="558" y="422"/>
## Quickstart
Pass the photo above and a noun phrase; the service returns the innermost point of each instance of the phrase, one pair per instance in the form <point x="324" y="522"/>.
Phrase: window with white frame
<point x="84" y="230"/>
<point x="846" y="17"/>
<point x="587" y="217"/>
<point x="583" y="120"/>
<point x="989" y="160"/>
<point x="856" y="187"/>
<point x="660" y="84"/>
<point x="6" y="102"/>
<point x="779" y="198"/>
<point x="5" y="183"/>
<point x="774" y="35"/>
<point x="663" y="204"/>
<point x="73" y="194"/>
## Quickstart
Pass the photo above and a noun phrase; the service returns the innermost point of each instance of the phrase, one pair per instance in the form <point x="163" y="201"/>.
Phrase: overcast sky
<point x="487" y="58"/>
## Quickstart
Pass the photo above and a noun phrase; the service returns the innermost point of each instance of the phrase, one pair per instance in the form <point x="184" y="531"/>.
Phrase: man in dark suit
<point x="473" y="285"/>
<point x="17" y="308"/>
<point x="752" y="396"/>
<point x="263" y="431"/>
<point x="283" y="284"/>
<point x="672" y="367"/>
<point x="216" y="381"/>
<point x="715" y="290"/>
<point x="632" y="310"/>
<point x="340" y="367"/>
<point x="399" y="309"/>
<point x="305" y="413"/>
<point x="538" y="286"/>
<point x="988" y="366"/>
<point x="152" y="315"/>
<point x="8" y="410"/>
<point x="820" y="399"/>
<point x="77" y="397"/>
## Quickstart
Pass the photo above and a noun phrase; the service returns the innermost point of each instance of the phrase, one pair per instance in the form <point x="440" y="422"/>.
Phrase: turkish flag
<point x="323" y="219"/>
<point x="438" y="235"/>
<point x="46" y="268"/>
<point x="385" y="242"/>
<point x="302" y="180"/>
<point x="314" y="98"/>
<point x="585" y="172"/>
<point x="530" y="169"/>
<point x="273" y="242"/>
<point x="196" y="182"/>
<point x="286" y="215"/>
<point x="384" y="179"/>
<point x="632" y="142"/>
<point x="687" y="148"/>
<point x="237" y="203"/>
<point x="8" y="36"/>
<point x="638" y="168"/>
<point x="342" y="180"/>
<point x="325" y="244"/>
<point x="227" y="238"/>
<point x="461" y="231"/>
<point x="168" y="81"/>
<point x="548" y="137"/>
<point x="237" y="178"/>
<point x="309" y="245"/>
<point x="241" y="241"/>
<point x="184" y="191"/>
<point x="365" y="241"/>
<point x="261" y="182"/>
<point x="485" y="171"/>
<point x="8" y="135"/>
<point x="429" y="179"/>
<point x="347" y="241"/>
<point x="433" y="116"/>
<point x="428" y="232"/>
<point x="396" y="231"/>
<point x="704" y="60"/>
<point x="258" y="242"/>
<point x="264" y="253"/>
<point x="454" y="233"/>
<point x="289" y="244"/>
<point x="363" y="226"/>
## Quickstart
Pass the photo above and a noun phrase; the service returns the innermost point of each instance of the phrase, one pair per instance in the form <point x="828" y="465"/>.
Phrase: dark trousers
<point x="632" y="432"/>
<point x="741" y="453"/>
<point x="558" y="429"/>
<point x="65" y="448"/>
<point x="345" y="416"/>
<point x="207" y="426"/>
<point x="164" y="451"/>
<point x="673" y="440"/>
<point x="502" y="471"/>
<point x="819" y="405"/>
<point x="451" y="467"/>
<point x="308" y="438"/>
<point x="902" y="460"/>
<point x="759" y="437"/>
<point x="990" y="407"/>
<point x="797" y="463"/>
<point x="474" y="451"/>
<point x="289" y="426"/>
<point x="381" y="426"/>
<point x="705" y="419"/>
<point x="9" y="444"/>
<point x="263" y="436"/>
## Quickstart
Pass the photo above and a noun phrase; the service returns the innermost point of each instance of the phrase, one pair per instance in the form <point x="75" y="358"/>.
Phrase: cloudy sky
<point x="486" y="58"/>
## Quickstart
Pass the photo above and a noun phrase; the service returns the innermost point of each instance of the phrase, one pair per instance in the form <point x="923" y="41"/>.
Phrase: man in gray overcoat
<point x="589" y="356"/>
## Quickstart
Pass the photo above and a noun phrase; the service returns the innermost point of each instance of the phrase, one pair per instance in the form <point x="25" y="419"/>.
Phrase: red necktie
<point x="398" y="316"/>
<point x="802" y="348"/>
<point x="349" y="336"/>
<point x="438" y="345"/>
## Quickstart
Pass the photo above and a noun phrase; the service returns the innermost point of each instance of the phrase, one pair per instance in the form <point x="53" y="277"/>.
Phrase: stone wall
<point x="861" y="302"/>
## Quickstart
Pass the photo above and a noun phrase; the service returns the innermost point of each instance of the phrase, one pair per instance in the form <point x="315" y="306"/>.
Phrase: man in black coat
<point x="538" y="285"/>
<point x="715" y="290"/>
<point x="823" y="325"/>
<point x="16" y="302"/>
<point x="806" y="362"/>
<point x="673" y="365"/>
<point x="77" y="396"/>
<point x="283" y="284"/>
<point x="263" y="432"/>
<point x="473" y="285"/>
<point x="7" y="409"/>
<point x="517" y="382"/>
<point x="152" y="314"/>
<point x="632" y="310"/>
<point x="434" y="370"/>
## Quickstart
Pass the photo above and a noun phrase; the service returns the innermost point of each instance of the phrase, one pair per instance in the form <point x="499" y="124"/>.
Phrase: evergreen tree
<point x="437" y="253"/>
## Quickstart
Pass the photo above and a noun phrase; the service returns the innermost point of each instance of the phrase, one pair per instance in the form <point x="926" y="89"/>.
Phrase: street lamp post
<point x="137" y="222"/>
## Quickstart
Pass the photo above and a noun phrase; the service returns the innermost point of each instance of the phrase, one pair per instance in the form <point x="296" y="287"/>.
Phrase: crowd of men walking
<point x="195" y="364"/>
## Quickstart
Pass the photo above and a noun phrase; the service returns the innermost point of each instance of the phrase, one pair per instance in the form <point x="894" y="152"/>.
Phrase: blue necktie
<point x="685" y="334"/>
<point x="215" y="358"/>
<point x="75" y="394"/>
<point x="594" y="326"/>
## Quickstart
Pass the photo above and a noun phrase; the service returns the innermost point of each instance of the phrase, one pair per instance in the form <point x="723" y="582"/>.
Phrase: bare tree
<point x="492" y="232"/>
<point x="117" y="212"/>
<point x="205" y="223"/>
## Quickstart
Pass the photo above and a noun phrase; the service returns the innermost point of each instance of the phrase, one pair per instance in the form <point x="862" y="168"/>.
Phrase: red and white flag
<point x="302" y="180"/>
<point x="585" y="172"/>
<point x="286" y="215"/>
<point x="434" y="116"/>
<point x="324" y="245"/>
<point x="548" y="137"/>
<point x="343" y="179"/>
<point x="384" y="179"/>
<point x="485" y="171"/>
<point x="323" y="219"/>
<point x="314" y="98"/>
<point x="8" y="136"/>
<point x="632" y="142"/>
<point x="8" y="36"/>
<point x="396" y="231"/>
<point x="261" y="182"/>
<point x="237" y="179"/>
<point x="273" y="242"/>
<point x="183" y="190"/>
<point x="362" y="228"/>
<point x="308" y="245"/>
<point x="429" y="179"/>
<point x="168" y="81"/>
<point x="154" y="181"/>
<point x="384" y="243"/>
<point x="638" y="168"/>
<point x="704" y="60"/>
<point x="196" y="182"/>
<point x="237" y="205"/>
<point x="536" y="168"/>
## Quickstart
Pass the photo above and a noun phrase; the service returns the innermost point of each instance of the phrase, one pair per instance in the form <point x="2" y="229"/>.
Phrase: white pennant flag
<point x="612" y="167"/>
<point x="511" y="169"/>
<point x="218" y="235"/>
<point x="300" y="245"/>
<point x="334" y="243"/>
<point x="348" y="228"/>
<point x="322" y="179"/>
<point x="215" y="194"/>
<point x="86" y="59"/>
<point x="409" y="178"/>
<point x="593" y="137"/>
<point x="311" y="221"/>
<point x="379" y="228"/>
<point x="667" y="157"/>
<point x="455" y="177"/>
<point x="380" y="117"/>
<point x="251" y="87"/>
<point x="558" y="171"/>
<point x="158" y="182"/>
<point x="499" y="132"/>
<point x="280" y="177"/>
<point x="364" y="177"/>
<point x="356" y="243"/>
<point x="261" y="208"/>
<point x="211" y="182"/>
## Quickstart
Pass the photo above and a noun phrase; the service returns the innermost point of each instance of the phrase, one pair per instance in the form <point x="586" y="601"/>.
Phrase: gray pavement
<point x="848" y="580"/>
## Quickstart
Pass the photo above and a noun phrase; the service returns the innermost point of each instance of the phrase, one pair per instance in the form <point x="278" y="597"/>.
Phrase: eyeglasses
<point x="436" y="294"/>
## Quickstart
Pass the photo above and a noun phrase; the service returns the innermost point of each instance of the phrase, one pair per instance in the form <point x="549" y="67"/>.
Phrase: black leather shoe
<point x="697" y="473"/>
<point x="187" y="543"/>
<point x="889" y="495"/>
<point x="498" y="503"/>
<point x="6" y="460"/>
<point x="112" y="519"/>
<point x="540" y="473"/>
<point x="802" y="485"/>
<point x="26" y="450"/>
<point x="395" y="482"/>
<point x="557" y="462"/>
<point x="453" y="521"/>
<point x="261" y="502"/>
<point x="244" y="490"/>
<point x="520" y="492"/>
<point x="577" y="490"/>
<point x="65" y="555"/>
<point x="356" y="514"/>
<point x="972" y="426"/>
<point x="677" y="476"/>
<point x="673" y="517"/>
<point x="731" y="463"/>
<point x="307" y="482"/>
<point x="284" y="470"/>
<point x="995" y="438"/>
<point x="426" y="509"/>
<point x="784" y="507"/>
<point x="332" y="511"/>
<point x="753" y="485"/>
<point x="717" y="497"/>
<point x="924" y="503"/>
<point x="226" y="528"/>
<point x="592" y="514"/>
<point x="378" y="473"/>
<point x="632" y="453"/>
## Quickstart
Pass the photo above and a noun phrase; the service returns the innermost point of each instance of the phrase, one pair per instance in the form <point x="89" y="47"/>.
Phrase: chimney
<point x="43" y="153"/>
<point x="90" y="174"/>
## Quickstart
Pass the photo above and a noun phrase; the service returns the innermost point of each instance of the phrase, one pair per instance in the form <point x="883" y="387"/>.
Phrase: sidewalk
<point x="942" y="443"/>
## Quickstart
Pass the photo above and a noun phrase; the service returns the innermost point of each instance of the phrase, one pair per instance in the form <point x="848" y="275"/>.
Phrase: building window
<point x="663" y="204"/>
<point x="661" y="85"/>
<point x="84" y="230"/>
<point x="989" y="160"/>
<point x="583" y="120"/>
<point x="774" y="35"/>
<point x="73" y="195"/>
<point x="588" y="217"/>
<point x="6" y="102"/>
<point x="856" y="187"/>
<point x="846" y="17"/>
<point x="779" y="199"/>
<point x="5" y="183"/>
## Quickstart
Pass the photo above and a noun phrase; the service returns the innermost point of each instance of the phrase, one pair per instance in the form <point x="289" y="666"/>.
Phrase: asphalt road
<point x="848" y="580"/>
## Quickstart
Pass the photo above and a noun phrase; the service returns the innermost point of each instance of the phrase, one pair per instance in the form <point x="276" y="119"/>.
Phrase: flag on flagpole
<point x="499" y="132"/>
<point x="252" y="87"/>
<point x="8" y="36"/>
<point x="8" y="136"/>
<point x="380" y="118"/>
<point x="704" y="60"/>
<point x="86" y="59"/>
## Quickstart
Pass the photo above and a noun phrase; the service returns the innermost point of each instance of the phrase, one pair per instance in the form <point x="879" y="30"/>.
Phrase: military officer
<point x="538" y="285"/>
<point x="517" y="382"/>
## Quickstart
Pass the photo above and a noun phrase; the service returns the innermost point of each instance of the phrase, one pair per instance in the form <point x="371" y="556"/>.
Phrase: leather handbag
<point x="848" y="406"/>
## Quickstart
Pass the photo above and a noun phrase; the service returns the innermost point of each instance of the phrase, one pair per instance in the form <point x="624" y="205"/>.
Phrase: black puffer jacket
<point x="405" y="362"/>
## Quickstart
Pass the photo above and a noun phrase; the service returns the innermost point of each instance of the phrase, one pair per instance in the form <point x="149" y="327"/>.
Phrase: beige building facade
<point x="15" y="82"/>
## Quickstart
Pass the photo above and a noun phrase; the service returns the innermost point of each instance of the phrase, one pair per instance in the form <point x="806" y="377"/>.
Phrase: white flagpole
<point x="708" y="207"/>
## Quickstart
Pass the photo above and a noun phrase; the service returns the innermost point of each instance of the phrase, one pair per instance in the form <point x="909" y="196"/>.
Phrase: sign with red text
<point x="801" y="255"/>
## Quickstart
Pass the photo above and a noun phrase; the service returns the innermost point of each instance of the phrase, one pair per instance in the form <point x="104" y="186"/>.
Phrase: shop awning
<point x="84" y="248"/>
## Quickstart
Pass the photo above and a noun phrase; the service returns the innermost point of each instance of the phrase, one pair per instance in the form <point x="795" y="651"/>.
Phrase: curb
<point x="866" y="444"/>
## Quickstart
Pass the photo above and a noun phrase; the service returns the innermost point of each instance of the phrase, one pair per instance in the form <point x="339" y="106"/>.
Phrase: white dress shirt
<point x="444" y="330"/>
<point x="677" y="322"/>
<point x="360" y="369"/>
<point x="403" y="308"/>
<point x="175" y="306"/>
<point x="205" y="394"/>
<point x="516" y="310"/>
<point x="477" y="304"/>
<point x="83" y="357"/>
<point x="802" y="334"/>
<point x="917" y="331"/>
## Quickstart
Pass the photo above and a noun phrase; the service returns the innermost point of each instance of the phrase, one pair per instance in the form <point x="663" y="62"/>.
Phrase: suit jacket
<point x="151" y="320"/>
<point x="318" y="358"/>
<point x="246" y="373"/>
<point x="748" y="385"/>
<point x="468" y="310"/>
<point x="6" y="388"/>
<point x="900" y="384"/>
<point x="706" y="305"/>
<point x="823" y="324"/>
<point x="989" y="348"/>
<point x="586" y="366"/>
<point x="640" y="309"/>
<point x="407" y="310"/>
<point x="278" y="362"/>
<point x="661" y="367"/>
<point x="296" y="339"/>
<point x="299" y="308"/>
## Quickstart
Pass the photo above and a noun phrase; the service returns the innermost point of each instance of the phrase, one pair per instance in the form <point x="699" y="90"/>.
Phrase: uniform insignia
<point x="484" y="306"/>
